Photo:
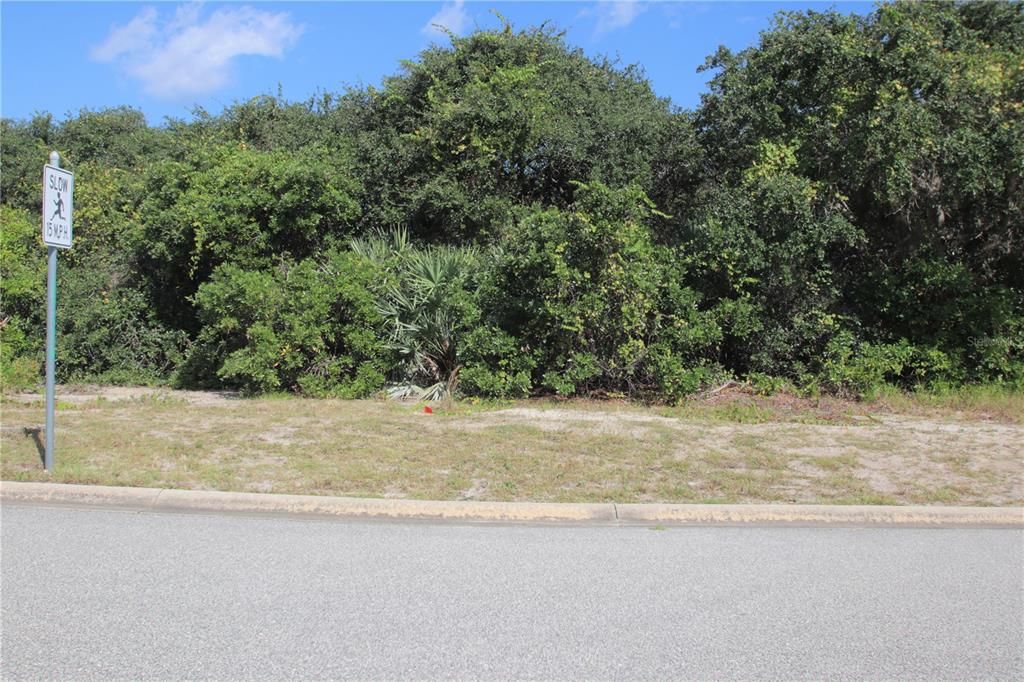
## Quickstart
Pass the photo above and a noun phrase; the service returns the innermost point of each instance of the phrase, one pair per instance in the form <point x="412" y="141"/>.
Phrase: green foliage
<point x="427" y="298"/>
<point x="860" y="369"/>
<point x="22" y="267"/>
<point x="677" y="379"/>
<point x="843" y="212"/>
<point x="999" y="358"/>
<point x="22" y="298"/>
<point x="114" y="138"/>
<point x="18" y="373"/>
<point x="582" y="289"/>
<point x="108" y="223"/>
<point x="499" y="118"/>
<point x="496" y="366"/>
<point x="383" y="247"/>
<point x="24" y="148"/>
<point x="267" y="123"/>
<point x="909" y="119"/>
<point x="310" y="327"/>
<point x="107" y="332"/>
<point x="249" y="205"/>
<point x="770" y="251"/>
<point x="765" y="384"/>
<point x="238" y="206"/>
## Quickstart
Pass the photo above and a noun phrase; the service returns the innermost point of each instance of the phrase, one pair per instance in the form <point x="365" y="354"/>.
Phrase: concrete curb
<point x="159" y="499"/>
<point x="843" y="515"/>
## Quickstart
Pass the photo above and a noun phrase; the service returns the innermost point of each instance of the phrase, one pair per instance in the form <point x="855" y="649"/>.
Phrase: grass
<point x="992" y="401"/>
<point x="575" y="451"/>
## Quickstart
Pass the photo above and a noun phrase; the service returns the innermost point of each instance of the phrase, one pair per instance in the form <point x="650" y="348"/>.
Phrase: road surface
<point x="90" y="594"/>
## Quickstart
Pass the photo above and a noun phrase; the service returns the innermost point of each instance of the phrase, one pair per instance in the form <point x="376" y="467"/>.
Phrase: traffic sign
<point x="58" y="189"/>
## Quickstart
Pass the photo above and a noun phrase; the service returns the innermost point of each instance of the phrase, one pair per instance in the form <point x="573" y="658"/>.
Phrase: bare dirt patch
<point x="558" y="416"/>
<point x="88" y="393"/>
<point x="571" y="421"/>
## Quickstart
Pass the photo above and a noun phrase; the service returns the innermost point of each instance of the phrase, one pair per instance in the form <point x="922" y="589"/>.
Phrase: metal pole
<point x="51" y="337"/>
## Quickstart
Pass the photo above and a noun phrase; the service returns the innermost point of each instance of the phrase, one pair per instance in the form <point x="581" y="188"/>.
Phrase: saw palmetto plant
<point x="424" y="320"/>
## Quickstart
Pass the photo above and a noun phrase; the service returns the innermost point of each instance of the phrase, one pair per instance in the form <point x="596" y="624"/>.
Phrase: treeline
<point x="507" y="217"/>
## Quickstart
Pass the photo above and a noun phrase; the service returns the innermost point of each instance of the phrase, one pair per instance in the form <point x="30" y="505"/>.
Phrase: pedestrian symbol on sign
<point x="59" y="212"/>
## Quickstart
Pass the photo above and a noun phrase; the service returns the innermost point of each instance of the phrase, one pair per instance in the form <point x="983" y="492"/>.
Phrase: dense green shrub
<point x="769" y="253"/>
<point x="858" y="369"/>
<point x="311" y="327"/>
<point x="495" y="364"/>
<point x="686" y="357"/>
<point x="233" y="205"/>
<point x="24" y="148"/>
<point x="107" y="332"/>
<point x="582" y="290"/>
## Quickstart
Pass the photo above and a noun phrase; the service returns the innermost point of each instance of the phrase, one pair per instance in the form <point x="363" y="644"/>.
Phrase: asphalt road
<point x="89" y="594"/>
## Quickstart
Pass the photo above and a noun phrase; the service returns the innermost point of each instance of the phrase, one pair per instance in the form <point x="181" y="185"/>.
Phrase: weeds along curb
<point x="172" y="500"/>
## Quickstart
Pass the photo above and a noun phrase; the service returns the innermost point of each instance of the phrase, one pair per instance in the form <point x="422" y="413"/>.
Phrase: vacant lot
<point x="733" y="447"/>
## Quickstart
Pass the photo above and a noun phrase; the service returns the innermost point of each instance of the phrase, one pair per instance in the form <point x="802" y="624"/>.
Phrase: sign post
<point x="58" y="189"/>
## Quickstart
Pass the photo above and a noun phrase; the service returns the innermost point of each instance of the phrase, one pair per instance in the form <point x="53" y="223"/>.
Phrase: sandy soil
<point x="794" y="449"/>
<point x="78" y="394"/>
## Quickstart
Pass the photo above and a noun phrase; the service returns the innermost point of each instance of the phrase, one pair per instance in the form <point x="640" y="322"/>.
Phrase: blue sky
<point x="164" y="58"/>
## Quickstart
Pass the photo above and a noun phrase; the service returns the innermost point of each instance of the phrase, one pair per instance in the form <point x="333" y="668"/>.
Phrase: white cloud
<point x="185" y="16"/>
<point x="614" y="15"/>
<point x="137" y="34"/>
<point x="188" y="56"/>
<point x="452" y="16"/>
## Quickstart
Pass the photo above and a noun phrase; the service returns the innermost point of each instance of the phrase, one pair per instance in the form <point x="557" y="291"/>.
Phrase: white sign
<point x="58" y="188"/>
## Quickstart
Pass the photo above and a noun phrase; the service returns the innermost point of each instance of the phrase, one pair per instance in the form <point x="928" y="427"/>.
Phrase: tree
<point x="239" y="206"/>
<point x="499" y="119"/>
<point x="24" y="148"/>
<point x="911" y="119"/>
<point x="117" y="137"/>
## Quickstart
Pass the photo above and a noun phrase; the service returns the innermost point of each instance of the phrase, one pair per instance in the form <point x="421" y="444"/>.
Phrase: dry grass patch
<point x="746" y="450"/>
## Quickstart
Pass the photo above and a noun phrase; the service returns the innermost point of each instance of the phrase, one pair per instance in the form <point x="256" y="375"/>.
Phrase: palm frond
<point x="380" y="244"/>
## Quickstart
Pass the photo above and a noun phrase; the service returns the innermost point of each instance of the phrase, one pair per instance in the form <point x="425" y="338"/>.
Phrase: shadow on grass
<point x="34" y="431"/>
